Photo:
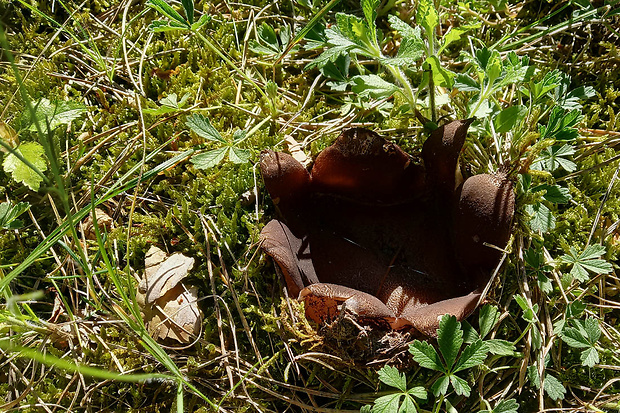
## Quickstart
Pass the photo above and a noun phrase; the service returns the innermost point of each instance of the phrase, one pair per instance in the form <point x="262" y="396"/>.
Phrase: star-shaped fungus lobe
<point x="398" y="243"/>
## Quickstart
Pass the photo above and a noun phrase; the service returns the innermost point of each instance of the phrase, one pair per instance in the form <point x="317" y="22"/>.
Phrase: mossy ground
<point x="251" y="336"/>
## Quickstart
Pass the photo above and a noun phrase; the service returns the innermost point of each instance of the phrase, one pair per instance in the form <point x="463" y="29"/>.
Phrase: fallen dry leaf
<point x="104" y="222"/>
<point x="176" y="315"/>
<point x="170" y="309"/>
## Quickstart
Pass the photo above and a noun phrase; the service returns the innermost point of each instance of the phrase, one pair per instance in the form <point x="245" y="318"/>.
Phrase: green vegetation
<point x="147" y="119"/>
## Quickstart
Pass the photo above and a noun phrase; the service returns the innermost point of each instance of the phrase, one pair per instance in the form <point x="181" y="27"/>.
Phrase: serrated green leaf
<point x="427" y="16"/>
<point x="441" y="385"/>
<point x="586" y="262"/>
<point x="592" y="251"/>
<point x="506" y="120"/>
<point x="488" y="317"/>
<point x="392" y="377"/>
<point x="237" y="155"/>
<point x="450" y="339"/>
<point x="209" y="159"/>
<point x="554" y="388"/>
<point x="473" y="355"/>
<point x="201" y="125"/>
<point x="54" y="114"/>
<point x="469" y="333"/>
<point x="403" y="28"/>
<point x="408" y="406"/>
<point x="418" y="392"/>
<point x="426" y="355"/>
<point x="593" y="329"/>
<point x="370" y="13"/>
<point x="33" y="152"/>
<point x="553" y="193"/>
<point x="460" y="386"/>
<point x="574" y="338"/>
<point x="372" y="86"/>
<point x="589" y="357"/>
<point x="504" y="406"/>
<point x="9" y="214"/>
<point x="542" y="219"/>
<point x="387" y="404"/>
<point x="500" y="347"/>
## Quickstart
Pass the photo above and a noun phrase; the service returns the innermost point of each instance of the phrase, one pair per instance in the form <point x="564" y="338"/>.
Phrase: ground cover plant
<point x="127" y="125"/>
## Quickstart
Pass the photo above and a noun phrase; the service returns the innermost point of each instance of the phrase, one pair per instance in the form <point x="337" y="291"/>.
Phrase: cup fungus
<point x="396" y="243"/>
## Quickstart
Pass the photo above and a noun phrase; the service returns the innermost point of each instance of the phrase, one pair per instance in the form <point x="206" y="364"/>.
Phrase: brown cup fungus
<point x="399" y="244"/>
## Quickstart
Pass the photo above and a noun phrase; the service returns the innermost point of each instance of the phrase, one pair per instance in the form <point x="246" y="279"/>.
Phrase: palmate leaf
<point x="554" y="193"/>
<point x="554" y="157"/>
<point x="33" y="152"/>
<point x="587" y="261"/>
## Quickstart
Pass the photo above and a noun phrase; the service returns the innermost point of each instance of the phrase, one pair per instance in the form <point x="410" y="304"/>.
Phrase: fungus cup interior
<point x="397" y="243"/>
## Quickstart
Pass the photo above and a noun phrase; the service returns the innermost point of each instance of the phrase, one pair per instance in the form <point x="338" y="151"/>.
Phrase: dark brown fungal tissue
<point x="398" y="243"/>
